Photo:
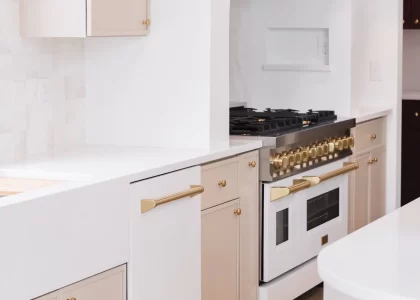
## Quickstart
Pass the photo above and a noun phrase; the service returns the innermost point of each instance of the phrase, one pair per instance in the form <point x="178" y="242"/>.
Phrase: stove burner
<point x="272" y="122"/>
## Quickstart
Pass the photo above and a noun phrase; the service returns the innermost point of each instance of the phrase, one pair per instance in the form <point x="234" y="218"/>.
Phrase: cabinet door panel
<point x="360" y="192"/>
<point x="220" y="252"/>
<point x="377" y="198"/>
<point x="112" y="18"/>
<point x="407" y="17"/>
<point x="415" y="14"/>
<point x="110" y="285"/>
<point x="248" y="190"/>
<point x="166" y="241"/>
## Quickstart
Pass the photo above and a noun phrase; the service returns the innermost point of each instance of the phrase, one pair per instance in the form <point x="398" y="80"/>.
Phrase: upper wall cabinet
<point x="84" y="18"/>
<point x="411" y="14"/>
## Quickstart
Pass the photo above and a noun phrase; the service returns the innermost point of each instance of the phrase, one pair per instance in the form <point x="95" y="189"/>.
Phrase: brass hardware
<point x="280" y="161"/>
<point x="375" y="160"/>
<point x="339" y="145"/>
<point x="281" y="192"/>
<point x="324" y="240"/>
<point x="370" y="162"/>
<point x="298" y="158"/>
<point x="416" y="21"/>
<point x="222" y="183"/>
<point x="347" y="167"/>
<point x="326" y="149"/>
<point x="319" y="151"/>
<point x="237" y="211"/>
<point x="345" y="143"/>
<point x="194" y="190"/>
<point x="331" y="147"/>
<point x="252" y="164"/>
<point x="291" y="158"/>
<point x="305" y="155"/>
<point x="351" y="141"/>
<point x="147" y="23"/>
<point x="72" y="298"/>
<point x="416" y="114"/>
<point x="312" y="152"/>
<point x="373" y="137"/>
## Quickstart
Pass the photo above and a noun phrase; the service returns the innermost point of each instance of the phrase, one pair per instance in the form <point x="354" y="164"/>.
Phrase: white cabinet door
<point x="166" y="240"/>
<point x="116" y="18"/>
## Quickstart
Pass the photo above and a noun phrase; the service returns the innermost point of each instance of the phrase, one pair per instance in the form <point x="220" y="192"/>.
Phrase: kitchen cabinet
<point x="230" y="229"/>
<point x="411" y="14"/>
<point x="84" y="18"/>
<point x="410" y="149"/>
<point x="367" y="185"/>
<point x="110" y="285"/>
<point x="166" y="237"/>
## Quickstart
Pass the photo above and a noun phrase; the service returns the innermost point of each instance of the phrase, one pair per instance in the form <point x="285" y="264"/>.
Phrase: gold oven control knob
<point x="331" y="147"/>
<point x="312" y="152"/>
<point x="291" y="159"/>
<point x="351" y="141"/>
<point x="338" y="145"/>
<point x="280" y="161"/>
<point x="325" y="149"/>
<point x="345" y="143"/>
<point x="305" y="155"/>
<point x="298" y="158"/>
<point x="319" y="150"/>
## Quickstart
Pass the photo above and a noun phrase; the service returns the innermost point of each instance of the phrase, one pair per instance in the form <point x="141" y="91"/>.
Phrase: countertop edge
<point x="371" y="115"/>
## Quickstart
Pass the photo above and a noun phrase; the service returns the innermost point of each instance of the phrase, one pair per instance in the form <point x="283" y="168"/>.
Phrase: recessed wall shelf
<point x="297" y="49"/>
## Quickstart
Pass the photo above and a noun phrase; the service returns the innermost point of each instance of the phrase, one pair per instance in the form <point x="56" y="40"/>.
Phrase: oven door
<point x="301" y="214"/>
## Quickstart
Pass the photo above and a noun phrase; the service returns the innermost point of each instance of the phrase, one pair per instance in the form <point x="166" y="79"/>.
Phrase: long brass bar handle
<point x="347" y="167"/>
<point x="147" y="204"/>
<point x="281" y="192"/>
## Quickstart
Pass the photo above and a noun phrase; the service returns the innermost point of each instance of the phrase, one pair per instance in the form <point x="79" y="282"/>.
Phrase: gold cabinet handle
<point x="347" y="167"/>
<point x="237" y="211"/>
<point x="222" y="183"/>
<point x="252" y="164"/>
<point x="281" y="192"/>
<point x="147" y="205"/>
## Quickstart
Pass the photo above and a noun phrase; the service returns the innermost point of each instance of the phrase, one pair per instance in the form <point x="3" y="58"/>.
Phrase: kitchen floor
<point x="317" y="293"/>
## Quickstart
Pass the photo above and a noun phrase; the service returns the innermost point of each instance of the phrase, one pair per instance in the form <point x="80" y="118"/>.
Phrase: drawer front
<point x="110" y="285"/>
<point x="220" y="183"/>
<point x="411" y="115"/>
<point x="369" y="135"/>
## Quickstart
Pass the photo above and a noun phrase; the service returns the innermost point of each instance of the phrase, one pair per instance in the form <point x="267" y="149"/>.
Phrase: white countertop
<point x="378" y="262"/>
<point x="411" y="95"/>
<point x="86" y="166"/>
<point x="364" y="114"/>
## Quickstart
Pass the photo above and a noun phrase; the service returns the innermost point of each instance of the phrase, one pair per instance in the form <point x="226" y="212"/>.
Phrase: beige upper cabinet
<point x="84" y="18"/>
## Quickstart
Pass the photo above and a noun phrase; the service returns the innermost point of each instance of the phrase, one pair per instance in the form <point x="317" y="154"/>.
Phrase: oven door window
<point x="282" y="226"/>
<point x="323" y="208"/>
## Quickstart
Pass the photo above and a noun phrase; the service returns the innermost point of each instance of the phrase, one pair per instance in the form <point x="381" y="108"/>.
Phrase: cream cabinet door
<point x="166" y="240"/>
<point x="52" y="296"/>
<point x="360" y="193"/>
<point x="117" y="18"/>
<point x="220" y="252"/>
<point x="110" y="285"/>
<point x="248" y="190"/>
<point x="377" y="197"/>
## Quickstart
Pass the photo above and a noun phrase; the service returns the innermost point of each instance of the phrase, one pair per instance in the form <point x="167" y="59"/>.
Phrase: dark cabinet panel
<point x="410" y="151"/>
<point x="407" y="17"/>
<point x="415" y="14"/>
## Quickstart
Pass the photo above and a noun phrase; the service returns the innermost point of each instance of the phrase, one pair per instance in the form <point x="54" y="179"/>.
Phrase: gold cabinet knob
<point x="373" y="137"/>
<point x="222" y="183"/>
<point x="351" y="141"/>
<point x="416" y="114"/>
<point x="339" y="145"/>
<point x="416" y="21"/>
<point x="370" y="161"/>
<point x="375" y="160"/>
<point x="237" y="211"/>
<point x="147" y="23"/>
<point x="252" y="164"/>
<point x="72" y="298"/>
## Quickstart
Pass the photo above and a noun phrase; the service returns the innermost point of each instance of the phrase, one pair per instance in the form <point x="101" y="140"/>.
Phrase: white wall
<point x="41" y="91"/>
<point x="301" y="90"/>
<point x="411" y="60"/>
<point x="377" y="38"/>
<point x="166" y="89"/>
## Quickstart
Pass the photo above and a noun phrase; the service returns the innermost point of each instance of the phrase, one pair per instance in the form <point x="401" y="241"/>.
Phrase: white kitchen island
<point x="378" y="262"/>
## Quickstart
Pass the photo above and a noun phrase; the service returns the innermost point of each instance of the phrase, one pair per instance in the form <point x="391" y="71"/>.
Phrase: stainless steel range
<point x="304" y="166"/>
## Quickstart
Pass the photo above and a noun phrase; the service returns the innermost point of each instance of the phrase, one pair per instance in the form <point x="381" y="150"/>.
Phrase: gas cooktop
<point x="274" y="122"/>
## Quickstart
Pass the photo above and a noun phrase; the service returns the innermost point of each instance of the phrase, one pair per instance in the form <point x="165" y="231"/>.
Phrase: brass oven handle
<point x="347" y="167"/>
<point x="147" y="205"/>
<point x="281" y="192"/>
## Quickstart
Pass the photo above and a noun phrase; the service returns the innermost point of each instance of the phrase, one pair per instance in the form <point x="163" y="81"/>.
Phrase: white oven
<point x="301" y="214"/>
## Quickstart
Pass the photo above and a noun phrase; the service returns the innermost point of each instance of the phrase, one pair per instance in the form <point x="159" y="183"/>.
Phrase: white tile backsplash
<point x="42" y="91"/>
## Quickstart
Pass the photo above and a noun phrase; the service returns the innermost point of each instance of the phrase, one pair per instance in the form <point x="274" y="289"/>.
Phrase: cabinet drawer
<point x="220" y="182"/>
<point x="106" y="286"/>
<point x="369" y="135"/>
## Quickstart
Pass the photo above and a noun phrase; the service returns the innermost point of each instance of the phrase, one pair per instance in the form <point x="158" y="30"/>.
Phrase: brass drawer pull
<point x="252" y="164"/>
<point x="373" y="137"/>
<point x="281" y="192"/>
<point x="222" y="183"/>
<point x="237" y="211"/>
<point x="347" y="167"/>
<point x="147" y="205"/>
